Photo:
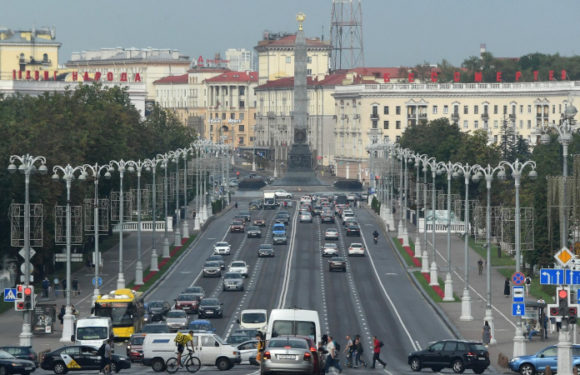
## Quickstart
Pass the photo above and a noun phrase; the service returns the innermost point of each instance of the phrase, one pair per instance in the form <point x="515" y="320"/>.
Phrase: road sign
<point x="23" y="268"/>
<point x="74" y="257"/>
<point x="9" y="294"/>
<point x="22" y="253"/>
<point x="518" y="278"/>
<point x="97" y="280"/>
<point x="518" y="309"/>
<point x="554" y="276"/>
<point x="518" y="294"/>
<point x="564" y="256"/>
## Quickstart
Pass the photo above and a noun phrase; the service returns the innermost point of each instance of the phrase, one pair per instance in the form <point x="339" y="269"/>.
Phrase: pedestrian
<point x="480" y="266"/>
<point x="236" y="205"/>
<point x="108" y="356"/>
<point x="75" y="286"/>
<point x="45" y="286"/>
<point x="545" y="324"/>
<point x="193" y="213"/>
<point x="486" y="334"/>
<point x="358" y="351"/>
<point x="377" y="344"/>
<point x="506" y="287"/>
<point x="61" y="314"/>
<point x="332" y="357"/>
<point x="56" y="283"/>
<point x="558" y="322"/>
<point x="63" y="287"/>
<point x="528" y="284"/>
<point x="348" y="350"/>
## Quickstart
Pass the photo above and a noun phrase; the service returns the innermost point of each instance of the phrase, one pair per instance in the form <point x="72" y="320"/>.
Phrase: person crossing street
<point x="377" y="344"/>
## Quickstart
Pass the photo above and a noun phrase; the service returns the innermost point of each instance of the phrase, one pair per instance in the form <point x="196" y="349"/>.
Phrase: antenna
<point x="346" y="34"/>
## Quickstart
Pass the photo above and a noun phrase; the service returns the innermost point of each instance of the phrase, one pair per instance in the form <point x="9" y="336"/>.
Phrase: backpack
<point x="381" y="344"/>
<point x="336" y="346"/>
<point x="101" y="350"/>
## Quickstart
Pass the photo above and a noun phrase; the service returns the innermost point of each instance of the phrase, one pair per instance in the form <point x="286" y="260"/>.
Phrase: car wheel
<point x="527" y="369"/>
<point x="479" y="370"/>
<point x="157" y="365"/>
<point x="457" y="366"/>
<point x="415" y="364"/>
<point x="223" y="364"/>
<point x="2" y="370"/>
<point x="436" y="369"/>
<point x="59" y="368"/>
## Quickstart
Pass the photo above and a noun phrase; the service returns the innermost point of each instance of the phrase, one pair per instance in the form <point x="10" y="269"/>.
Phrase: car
<point x="254" y="231"/>
<point x="329" y="249"/>
<point x="233" y="281"/>
<point x="236" y="338"/>
<point x="305" y="217"/>
<point x="10" y="364"/>
<point x="260" y="222"/>
<point x="195" y="290"/>
<point x="212" y="269"/>
<point x="532" y="364"/>
<point x="350" y="220"/>
<point x="290" y="354"/>
<point x="352" y="230"/>
<point x="337" y="263"/>
<point x="159" y="327"/>
<point x="327" y="217"/>
<point x="248" y="351"/>
<point x="246" y="215"/>
<point x="278" y="228"/>
<point x="255" y="205"/>
<point x="282" y="194"/>
<point x="237" y="226"/>
<point x="458" y="355"/>
<point x="279" y="239"/>
<point x="85" y="357"/>
<point x="135" y="347"/>
<point x="240" y="267"/>
<point x="282" y="218"/>
<point x="356" y="248"/>
<point x="187" y="302"/>
<point x="22" y="352"/>
<point x="266" y="250"/>
<point x="201" y="325"/>
<point x="222" y="248"/>
<point x="233" y="183"/>
<point x="217" y="258"/>
<point x="331" y="234"/>
<point x="364" y="195"/>
<point x="155" y="311"/>
<point x="176" y="320"/>
<point x="211" y="307"/>
<point x="317" y="209"/>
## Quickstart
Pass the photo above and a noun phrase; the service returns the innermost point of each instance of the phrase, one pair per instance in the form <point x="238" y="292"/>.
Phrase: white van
<point x="254" y="319"/>
<point x="294" y="322"/>
<point x="209" y="347"/>
<point x="93" y="331"/>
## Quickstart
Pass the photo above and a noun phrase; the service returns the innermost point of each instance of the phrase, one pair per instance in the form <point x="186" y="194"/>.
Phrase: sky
<point x="395" y="32"/>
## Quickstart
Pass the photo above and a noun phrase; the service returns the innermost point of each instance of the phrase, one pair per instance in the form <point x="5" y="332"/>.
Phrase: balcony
<point x="374" y="116"/>
<point x="271" y="115"/>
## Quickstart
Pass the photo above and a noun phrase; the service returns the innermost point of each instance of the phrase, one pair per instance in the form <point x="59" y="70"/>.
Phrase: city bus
<point x="125" y="308"/>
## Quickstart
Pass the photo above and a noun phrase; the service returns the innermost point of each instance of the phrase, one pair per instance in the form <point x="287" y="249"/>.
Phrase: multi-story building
<point x="240" y="60"/>
<point x="24" y="54"/>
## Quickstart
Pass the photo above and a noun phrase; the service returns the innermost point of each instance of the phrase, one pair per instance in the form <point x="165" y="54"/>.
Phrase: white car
<point x="331" y="234"/>
<point x="356" y="248"/>
<point x="306" y="199"/>
<point x="239" y="266"/>
<point x="283" y="194"/>
<point x="305" y="217"/>
<point x="329" y="249"/>
<point x="222" y="248"/>
<point x="248" y="351"/>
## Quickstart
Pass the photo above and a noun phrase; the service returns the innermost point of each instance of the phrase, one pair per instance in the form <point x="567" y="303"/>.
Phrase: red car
<point x="188" y="302"/>
<point x="135" y="347"/>
<point x="237" y="226"/>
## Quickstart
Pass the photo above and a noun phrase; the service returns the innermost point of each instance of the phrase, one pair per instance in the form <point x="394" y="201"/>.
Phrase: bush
<point x="376" y="205"/>
<point x="217" y="206"/>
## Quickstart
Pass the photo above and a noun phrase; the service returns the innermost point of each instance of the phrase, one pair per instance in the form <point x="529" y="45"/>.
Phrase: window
<point x="475" y="109"/>
<point x="553" y="108"/>
<point x="495" y="138"/>
<point x="223" y="116"/>
<point x="445" y="109"/>
<point x="495" y="109"/>
<point x="476" y="124"/>
<point x="495" y="124"/>
<point x="465" y="124"/>
<point x="521" y="124"/>
<point x="241" y="140"/>
<point x="465" y="110"/>
<point x="309" y="59"/>
<point x="375" y="110"/>
<point x="398" y="138"/>
<point x="398" y="110"/>
<point x="242" y="115"/>
<point x="450" y="346"/>
<point x="385" y="124"/>
<point x="434" y="109"/>
<point x="529" y="124"/>
<point x="375" y="124"/>
<point x="232" y="116"/>
<point x="505" y="109"/>
<point x="398" y="125"/>
<point x="254" y="115"/>
<point x="521" y="108"/>
<point x="308" y="72"/>
<point x="386" y="110"/>
<point x="242" y="104"/>
<point x="288" y="59"/>
<point x="529" y="109"/>
<point x="241" y="128"/>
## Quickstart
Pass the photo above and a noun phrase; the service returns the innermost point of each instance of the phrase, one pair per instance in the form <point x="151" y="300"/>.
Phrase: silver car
<point x="329" y="249"/>
<point x="288" y="354"/>
<point x="212" y="269"/>
<point x="233" y="281"/>
<point x="176" y="319"/>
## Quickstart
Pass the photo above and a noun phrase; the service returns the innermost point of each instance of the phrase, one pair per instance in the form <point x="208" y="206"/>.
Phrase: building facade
<point x="240" y="60"/>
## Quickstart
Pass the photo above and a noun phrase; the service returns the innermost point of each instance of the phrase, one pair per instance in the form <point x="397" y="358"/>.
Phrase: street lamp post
<point x="488" y="173"/>
<point x="185" y="230"/>
<point x="433" y="275"/>
<point x="96" y="171"/>
<point x="176" y="235"/>
<point x="164" y="160"/>
<point x="68" y="173"/>
<point x="27" y="167"/>
<point x="121" y="166"/>
<point x="516" y="168"/>
<point x="418" y="159"/>
<point x="466" y="170"/>
<point x="154" y="266"/>
<point x="197" y="154"/>
<point x="428" y="162"/>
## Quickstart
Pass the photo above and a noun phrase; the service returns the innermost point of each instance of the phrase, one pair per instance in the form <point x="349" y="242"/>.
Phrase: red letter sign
<point x="563" y="75"/>
<point x="124" y="77"/>
<point x="518" y="76"/>
<point x="137" y="77"/>
<point x="386" y="77"/>
<point x="36" y="75"/>
<point x="550" y="75"/>
<point x="535" y="75"/>
<point x="434" y="77"/>
<point x="46" y="75"/>
<point x="86" y="77"/>
<point x="109" y="76"/>
<point x="411" y="77"/>
<point x="478" y="77"/>
<point x="456" y="76"/>
<point x="498" y="76"/>
<point x="75" y="76"/>
<point x="97" y="76"/>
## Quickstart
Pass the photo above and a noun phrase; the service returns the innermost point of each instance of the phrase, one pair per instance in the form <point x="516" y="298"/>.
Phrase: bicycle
<point x="192" y="363"/>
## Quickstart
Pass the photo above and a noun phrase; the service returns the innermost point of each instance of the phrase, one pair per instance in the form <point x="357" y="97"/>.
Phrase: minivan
<point x="254" y="319"/>
<point x="294" y="322"/>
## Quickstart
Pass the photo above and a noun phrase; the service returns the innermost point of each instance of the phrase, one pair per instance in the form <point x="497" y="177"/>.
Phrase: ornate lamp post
<point x="164" y="160"/>
<point x="418" y="159"/>
<point x="96" y="171"/>
<point x="177" y="236"/>
<point x="433" y="275"/>
<point x="517" y="168"/>
<point x="427" y="162"/>
<point x="154" y="257"/>
<point x="185" y="231"/>
<point x="68" y="173"/>
<point x="121" y="166"/>
<point x="27" y="167"/>
<point x="197" y="160"/>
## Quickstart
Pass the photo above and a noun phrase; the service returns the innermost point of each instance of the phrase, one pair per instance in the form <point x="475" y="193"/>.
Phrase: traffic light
<point x="19" y="301"/>
<point x="573" y="313"/>
<point x="563" y="302"/>
<point x="29" y="297"/>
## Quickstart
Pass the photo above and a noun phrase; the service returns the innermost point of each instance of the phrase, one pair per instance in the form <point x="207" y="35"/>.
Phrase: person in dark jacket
<point x="506" y="287"/>
<point x="377" y="353"/>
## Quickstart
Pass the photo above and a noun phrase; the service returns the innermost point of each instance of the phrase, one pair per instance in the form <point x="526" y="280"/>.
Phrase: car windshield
<point x="222" y="244"/>
<point x="156" y="328"/>
<point x="92" y="333"/>
<point x="253" y="228"/>
<point x="331" y="231"/>
<point x="137" y="340"/>
<point x="185" y="297"/>
<point x="238" y="264"/>
<point x="5" y="355"/>
<point x="155" y="304"/>
<point x="211" y="264"/>
<point x="237" y="222"/>
<point x="232" y="275"/>
<point x="333" y="245"/>
<point x="215" y="258"/>
<point x="176" y="314"/>
<point x="195" y="289"/>
<point x="253" y="318"/>
<point x="209" y="302"/>
<point x="291" y="342"/>
<point x="266" y="246"/>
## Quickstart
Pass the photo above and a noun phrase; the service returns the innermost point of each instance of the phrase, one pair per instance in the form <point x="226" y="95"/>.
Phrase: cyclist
<point x="182" y="341"/>
<point x="375" y="236"/>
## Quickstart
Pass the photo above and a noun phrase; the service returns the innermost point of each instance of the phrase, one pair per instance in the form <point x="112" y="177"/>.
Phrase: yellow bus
<point x="125" y="308"/>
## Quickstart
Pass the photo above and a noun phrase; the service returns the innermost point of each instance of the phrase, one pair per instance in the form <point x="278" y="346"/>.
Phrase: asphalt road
<point x="374" y="297"/>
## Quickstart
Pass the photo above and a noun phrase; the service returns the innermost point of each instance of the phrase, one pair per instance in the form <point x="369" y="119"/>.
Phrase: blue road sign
<point x="9" y="294"/>
<point x="97" y="280"/>
<point x="555" y="276"/>
<point x="518" y="294"/>
<point x="518" y="278"/>
<point x="518" y="309"/>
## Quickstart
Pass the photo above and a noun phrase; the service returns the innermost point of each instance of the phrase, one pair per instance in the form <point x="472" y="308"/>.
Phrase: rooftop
<point x="234" y="77"/>
<point x="181" y="79"/>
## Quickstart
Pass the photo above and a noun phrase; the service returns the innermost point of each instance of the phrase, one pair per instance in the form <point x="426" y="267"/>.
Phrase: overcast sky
<point x="396" y="32"/>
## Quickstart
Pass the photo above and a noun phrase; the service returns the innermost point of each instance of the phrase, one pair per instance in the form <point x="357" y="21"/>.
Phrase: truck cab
<point x="93" y="331"/>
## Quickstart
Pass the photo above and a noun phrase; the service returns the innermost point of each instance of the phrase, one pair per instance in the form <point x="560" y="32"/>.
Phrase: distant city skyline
<point x="396" y="32"/>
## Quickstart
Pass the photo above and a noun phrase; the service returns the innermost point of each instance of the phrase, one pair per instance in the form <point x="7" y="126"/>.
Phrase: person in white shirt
<point x="332" y="357"/>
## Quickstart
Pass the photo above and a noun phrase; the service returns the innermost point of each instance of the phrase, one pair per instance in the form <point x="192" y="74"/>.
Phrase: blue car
<point x="201" y="325"/>
<point x="532" y="364"/>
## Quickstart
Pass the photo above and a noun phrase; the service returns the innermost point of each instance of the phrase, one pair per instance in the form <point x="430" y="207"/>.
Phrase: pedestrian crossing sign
<point x="9" y="295"/>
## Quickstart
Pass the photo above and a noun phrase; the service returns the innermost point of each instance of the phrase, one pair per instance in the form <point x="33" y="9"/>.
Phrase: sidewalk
<point x="11" y="323"/>
<point x="503" y="320"/>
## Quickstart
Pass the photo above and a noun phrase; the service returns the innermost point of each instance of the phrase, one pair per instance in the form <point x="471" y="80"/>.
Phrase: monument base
<point x="300" y="171"/>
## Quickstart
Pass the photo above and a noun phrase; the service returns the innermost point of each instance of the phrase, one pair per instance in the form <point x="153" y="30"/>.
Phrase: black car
<point x="159" y="327"/>
<point x="22" y="352"/>
<point x="210" y="308"/>
<point x="12" y="365"/>
<point x="327" y="217"/>
<point x="246" y="216"/>
<point x="282" y="217"/>
<point x="80" y="358"/>
<point x="458" y="355"/>
<point x="156" y="311"/>
<point x="195" y="290"/>
<point x="253" y="231"/>
<point x="337" y="264"/>
<point x="217" y="258"/>
<point x="353" y="230"/>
